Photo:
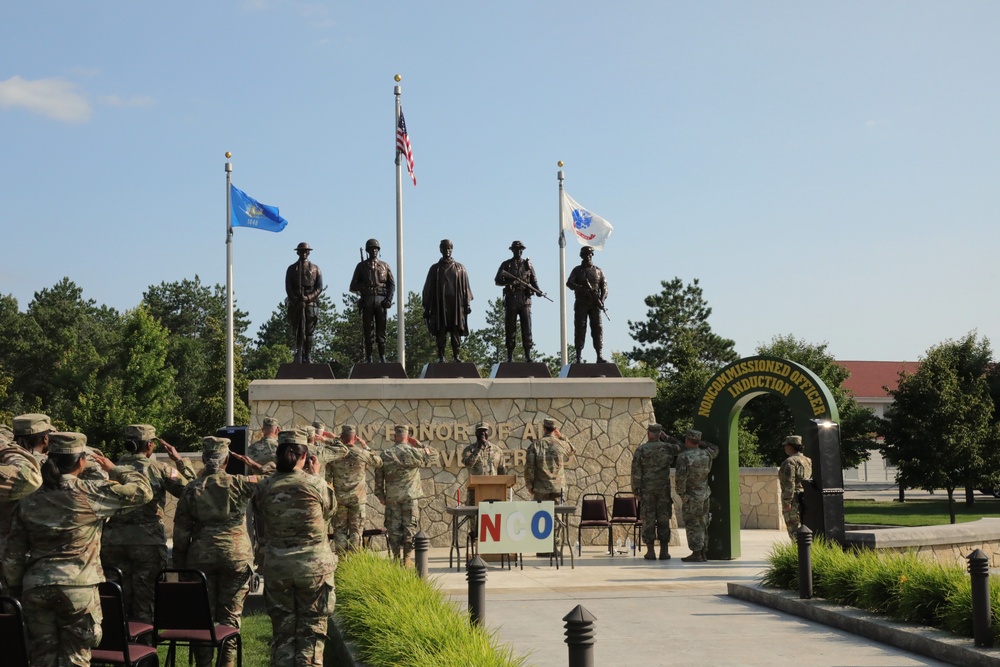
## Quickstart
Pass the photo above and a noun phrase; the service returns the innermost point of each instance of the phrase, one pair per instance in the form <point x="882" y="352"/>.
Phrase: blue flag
<point x="248" y="212"/>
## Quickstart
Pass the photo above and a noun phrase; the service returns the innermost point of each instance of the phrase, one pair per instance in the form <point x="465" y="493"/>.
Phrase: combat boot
<point x="406" y="558"/>
<point x="664" y="551"/>
<point x="695" y="557"/>
<point x="650" y="551"/>
<point x="381" y="353"/>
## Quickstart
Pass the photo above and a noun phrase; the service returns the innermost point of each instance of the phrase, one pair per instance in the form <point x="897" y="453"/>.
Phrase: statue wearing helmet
<point x="374" y="284"/>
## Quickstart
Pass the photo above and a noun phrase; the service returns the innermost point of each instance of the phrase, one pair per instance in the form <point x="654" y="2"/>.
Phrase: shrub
<point x="396" y="619"/>
<point x="925" y="591"/>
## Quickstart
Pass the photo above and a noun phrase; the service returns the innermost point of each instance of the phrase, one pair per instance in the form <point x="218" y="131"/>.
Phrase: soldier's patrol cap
<point x="302" y="246"/>
<point x="517" y="244"/>
<point x="319" y="426"/>
<point x="549" y="422"/>
<point x="141" y="432"/>
<point x="346" y="429"/>
<point x="794" y="441"/>
<point x="310" y="431"/>
<point x="295" y="436"/>
<point x="654" y="428"/>
<point x="484" y="426"/>
<point x="402" y="429"/>
<point x="32" y="424"/>
<point x="372" y="243"/>
<point x="67" y="443"/>
<point x="213" y="446"/>
<point x="693" y="435"/>
<point x="6" y="435"/>
<point x="270" y="421"/>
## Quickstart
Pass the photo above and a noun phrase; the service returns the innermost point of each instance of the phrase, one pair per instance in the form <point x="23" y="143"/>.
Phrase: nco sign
<point x="519" y="527"/>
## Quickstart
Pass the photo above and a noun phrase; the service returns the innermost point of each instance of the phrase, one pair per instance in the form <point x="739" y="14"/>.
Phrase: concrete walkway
<point x="658" y="612"/>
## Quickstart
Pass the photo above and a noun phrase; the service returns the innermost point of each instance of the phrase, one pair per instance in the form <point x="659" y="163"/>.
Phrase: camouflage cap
<point x="270" y="421"/>
<point x="402" y="429"/>
<point x="549" y="422"/>
<point x="319" y="426"/>
<point x="32" y="424"/>
<point x="693" y="435"/>
<point x="793" y="440"/>
<point x="310" y="432"/>
<point x="484" y="426"/>
<point x="142" y="432"/>
<point x="6" y="435"/>
<point x="654" y="428"/>
<point x="295" y="436"/>
<point x="347" y="429"/>
<point x="215" y="446"/>
<point x="67" y="443"/>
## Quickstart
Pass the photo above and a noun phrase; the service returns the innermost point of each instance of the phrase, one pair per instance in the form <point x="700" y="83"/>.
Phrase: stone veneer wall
<point x="603" y="418"/>
<point x="948" y="544"/>
<point x="760" y="499"/>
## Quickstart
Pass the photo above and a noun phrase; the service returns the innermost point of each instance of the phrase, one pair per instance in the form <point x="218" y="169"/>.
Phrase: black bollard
<point x="475" y="572"/>
<point x="979" y="571"/>
<point x="804" y="536"/>
<point x="580" y="637"/>
<point x="421" y="543"/>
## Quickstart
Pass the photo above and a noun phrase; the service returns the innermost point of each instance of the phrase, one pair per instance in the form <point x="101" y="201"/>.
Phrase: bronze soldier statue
<point x="373" y="281"/>
<point x="446" y="301"/>
<point x="517" y="277"/>
<point x="591" y="289"/>
<point x="303" y="285"/>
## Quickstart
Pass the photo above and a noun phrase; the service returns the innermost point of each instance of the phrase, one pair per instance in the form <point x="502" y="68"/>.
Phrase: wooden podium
<point x="490" y="487"/>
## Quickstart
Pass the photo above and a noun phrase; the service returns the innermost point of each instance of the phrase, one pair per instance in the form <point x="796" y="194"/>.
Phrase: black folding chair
<point x="182" y="616"/>
<point x="15" y="646"/>
<point x="117" y="647"/>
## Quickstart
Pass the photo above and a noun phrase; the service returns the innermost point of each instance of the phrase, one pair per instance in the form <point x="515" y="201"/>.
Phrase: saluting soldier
<point x="373" y="282"/>
<point x="210" y="535"/>
<point x="19" y="471"/>
<point x="651" y="485"/>
<point x="398" y="487"/>
<point x="544" y="467"/>
<point x="263" y="450"/>
<point x="348" y="474"/>
<point x="793" y="472"/>
<point x="31" y="435"/>
<point x="52" y="559"/>
<point x="136" y="543"/>
<point x="693" y="466"/>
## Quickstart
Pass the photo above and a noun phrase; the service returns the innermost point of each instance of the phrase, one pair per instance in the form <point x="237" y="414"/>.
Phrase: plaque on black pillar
<point x="520" y="369"/>
<point x="449" y="370"/>
<point x="824" y="498"/>
<point x="367" y="370"/>
<point x="604" y="369"/>
<point x="304" y="372"/>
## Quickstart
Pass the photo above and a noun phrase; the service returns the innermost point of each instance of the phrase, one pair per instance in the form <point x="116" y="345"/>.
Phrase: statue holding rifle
<point x="303" y="285"/>
<point x="591" y="289"/>
<point x="517" y="277"/>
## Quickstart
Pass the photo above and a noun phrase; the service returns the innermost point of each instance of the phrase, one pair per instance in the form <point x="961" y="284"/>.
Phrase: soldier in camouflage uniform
<point x="794" y="470"/>
<point x="210" y="535"/>
<point x="398" y="487"/>
<point x="262" y="451"/>
<point x="482" y="457"/>
<point x="294" y="506"/>
<point x="544" y="472"/>
<point x="52" y="560"/>
<point x="348" y="478"/>
<point x="19" y="471"/>
<point x="651" y="485"/>
<point x="693" y="466"/>
<point x="31" y="435"/>
<point x="136" y="543"/>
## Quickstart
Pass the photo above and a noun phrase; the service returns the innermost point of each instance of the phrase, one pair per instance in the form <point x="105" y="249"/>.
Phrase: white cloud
<point x="134" y="101"/>
<point x="53" y="98"/>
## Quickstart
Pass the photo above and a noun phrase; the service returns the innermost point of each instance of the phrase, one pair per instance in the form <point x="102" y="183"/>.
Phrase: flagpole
<point x="400" y="293"/>
<point x="562" y="275"/>
<point x="229" y="293"/>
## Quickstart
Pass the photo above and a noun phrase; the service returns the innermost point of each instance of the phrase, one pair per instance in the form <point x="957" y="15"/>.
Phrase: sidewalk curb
<point x="930" y="642"/>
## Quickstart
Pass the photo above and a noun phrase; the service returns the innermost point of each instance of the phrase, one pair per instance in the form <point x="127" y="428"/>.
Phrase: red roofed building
<point x="869" y="384"/>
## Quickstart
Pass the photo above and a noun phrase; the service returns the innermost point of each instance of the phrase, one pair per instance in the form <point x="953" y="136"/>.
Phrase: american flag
<point x="403" y="145"/>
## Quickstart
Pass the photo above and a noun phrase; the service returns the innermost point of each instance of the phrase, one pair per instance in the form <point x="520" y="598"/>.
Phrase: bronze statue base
<point x="601" y="370"/>
<point x="373" y="370"/>
<point x="520" y="369"/>
<point x="300" y="371"/>
<point x="449" y="370"/>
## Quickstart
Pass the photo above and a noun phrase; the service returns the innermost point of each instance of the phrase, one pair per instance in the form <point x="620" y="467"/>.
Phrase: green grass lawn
<point x="916" y="512"/>
<point x="256" y="631"/>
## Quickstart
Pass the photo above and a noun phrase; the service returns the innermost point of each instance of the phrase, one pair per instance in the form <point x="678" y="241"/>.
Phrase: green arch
<point x="717" y="417"/>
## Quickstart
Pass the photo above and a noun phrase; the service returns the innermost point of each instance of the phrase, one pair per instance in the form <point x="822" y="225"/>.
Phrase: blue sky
<point x="828" y="170"/>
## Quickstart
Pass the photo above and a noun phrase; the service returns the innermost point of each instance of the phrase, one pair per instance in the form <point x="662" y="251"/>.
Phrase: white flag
<point x="589" y="228"/>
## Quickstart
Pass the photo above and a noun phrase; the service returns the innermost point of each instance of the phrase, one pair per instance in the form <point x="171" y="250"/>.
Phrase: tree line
<point x="95" y="369"/>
